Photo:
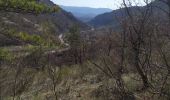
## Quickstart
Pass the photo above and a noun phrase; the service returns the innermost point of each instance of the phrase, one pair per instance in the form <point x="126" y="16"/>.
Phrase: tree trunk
<point x="141" y="73"/>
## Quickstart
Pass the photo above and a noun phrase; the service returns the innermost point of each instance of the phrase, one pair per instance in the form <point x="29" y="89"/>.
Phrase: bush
<point x="5" y="55"/>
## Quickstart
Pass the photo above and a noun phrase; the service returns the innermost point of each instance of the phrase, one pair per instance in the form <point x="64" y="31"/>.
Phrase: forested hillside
<point x="47" y="54"/>
<point x="31" y="6"/>
<point x="113" y="18"/>
<point x="34" y="17"/>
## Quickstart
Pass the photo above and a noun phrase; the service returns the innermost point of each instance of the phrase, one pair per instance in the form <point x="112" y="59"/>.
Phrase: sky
<point x="112" y="4"/>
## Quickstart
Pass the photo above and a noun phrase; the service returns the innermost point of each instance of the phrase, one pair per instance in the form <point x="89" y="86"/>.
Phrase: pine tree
<point x="26" y="6"/>
<point x="74" y="39"/>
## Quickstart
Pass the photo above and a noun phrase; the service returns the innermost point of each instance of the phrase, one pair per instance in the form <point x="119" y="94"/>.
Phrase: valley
<point x="85" y="14"/>
<point x="55" y="52"/>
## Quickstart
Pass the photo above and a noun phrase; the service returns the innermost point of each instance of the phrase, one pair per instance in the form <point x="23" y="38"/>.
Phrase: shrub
<point x="5" y="55"/>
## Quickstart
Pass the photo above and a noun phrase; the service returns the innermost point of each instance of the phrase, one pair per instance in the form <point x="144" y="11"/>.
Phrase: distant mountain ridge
<point x="85" y="13"/>
<point x="112" y="18"/>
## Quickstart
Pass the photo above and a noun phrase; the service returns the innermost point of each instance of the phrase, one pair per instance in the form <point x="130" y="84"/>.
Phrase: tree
<point x="148" y="45"/>
<point x="26" y="6"/>
<point x="137" y="32"/>
<point x="74" y="39"/>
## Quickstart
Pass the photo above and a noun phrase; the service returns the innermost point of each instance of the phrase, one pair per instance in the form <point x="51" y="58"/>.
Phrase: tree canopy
<point x="26" y="6"/>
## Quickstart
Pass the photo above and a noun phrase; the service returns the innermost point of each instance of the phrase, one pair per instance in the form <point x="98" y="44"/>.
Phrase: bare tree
<point x="54" y="75"/>
<point x="148" y="41"/>
<point x="113" y="61"/>
<point x="137" y="30"/>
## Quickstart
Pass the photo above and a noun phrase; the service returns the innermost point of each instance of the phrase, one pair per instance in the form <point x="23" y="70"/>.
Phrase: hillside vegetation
<point x="48" y="55"/>
<point x="29" y="6"/>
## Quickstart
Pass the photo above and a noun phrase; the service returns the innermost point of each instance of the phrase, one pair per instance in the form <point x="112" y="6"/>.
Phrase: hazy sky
<point x="113" y="4"/>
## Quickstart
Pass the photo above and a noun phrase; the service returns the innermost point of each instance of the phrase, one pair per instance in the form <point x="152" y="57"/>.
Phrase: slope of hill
<point x="50" y="23"/>
<point x="112" y="18"/>
<point x="85" y="13"/>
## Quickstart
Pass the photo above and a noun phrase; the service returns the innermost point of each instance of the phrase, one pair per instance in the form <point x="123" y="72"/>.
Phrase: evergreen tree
<point x="74" y="39"/>
<point x="26" y="6"/>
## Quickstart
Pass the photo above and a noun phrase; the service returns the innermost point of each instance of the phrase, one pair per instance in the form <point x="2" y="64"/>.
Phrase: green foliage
<point x="49" y="33"/>
<point x="74" y="37"/>
<point x="31" y="6"/>
<point x="31" y="38"/>
<point x="5" y="55"/>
